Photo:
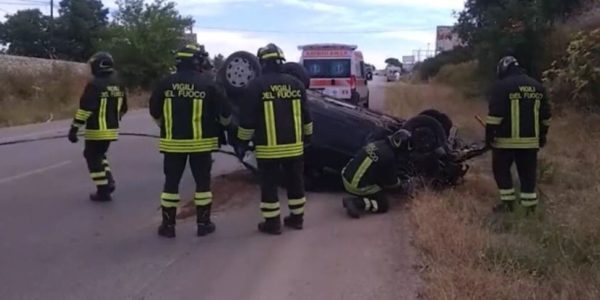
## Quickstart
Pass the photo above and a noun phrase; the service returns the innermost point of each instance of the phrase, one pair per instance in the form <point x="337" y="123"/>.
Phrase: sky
<point x="380" y="28"/>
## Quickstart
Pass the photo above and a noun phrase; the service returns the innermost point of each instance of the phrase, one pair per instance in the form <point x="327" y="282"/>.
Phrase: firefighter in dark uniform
<point x="101" y="107"/>
<point x="275" y="116"/>
<point x="516" y="127"/>
<point x="191" y="113"/>
<point x="372" y="171"/>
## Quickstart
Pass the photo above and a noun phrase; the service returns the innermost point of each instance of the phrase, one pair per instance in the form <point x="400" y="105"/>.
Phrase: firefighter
<point x="516" y="127"/>
<point x="101" y="107"/>
<point x="275" y="116"/>
<point x="191" y="113"/>
<point x="372" y="171"/>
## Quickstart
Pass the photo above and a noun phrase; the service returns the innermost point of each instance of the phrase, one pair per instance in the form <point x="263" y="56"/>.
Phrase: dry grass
<point x="28" y="97"/>
<point x="470" y="253"/>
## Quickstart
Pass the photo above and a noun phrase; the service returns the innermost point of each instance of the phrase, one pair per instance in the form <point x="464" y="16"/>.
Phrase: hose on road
<point x="134" y="134"/>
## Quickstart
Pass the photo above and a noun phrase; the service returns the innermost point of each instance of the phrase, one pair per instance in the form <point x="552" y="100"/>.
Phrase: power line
<point x="375" y="31"/>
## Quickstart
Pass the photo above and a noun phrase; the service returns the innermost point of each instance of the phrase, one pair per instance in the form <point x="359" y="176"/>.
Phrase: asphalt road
<point x="56" y="244"/>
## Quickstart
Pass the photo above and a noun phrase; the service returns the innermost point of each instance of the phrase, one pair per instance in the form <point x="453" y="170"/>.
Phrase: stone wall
<point x="38" y="65"/>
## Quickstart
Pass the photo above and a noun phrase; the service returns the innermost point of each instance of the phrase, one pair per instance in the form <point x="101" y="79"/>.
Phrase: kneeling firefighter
<point x="101" y="107"/>
<point x="191" y="113"/>
<point x="275" y="116"/>
<point x="516" y="127"/>
<point x="373" y="170"/>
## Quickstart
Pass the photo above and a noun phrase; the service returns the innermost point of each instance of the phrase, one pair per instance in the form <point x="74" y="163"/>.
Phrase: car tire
<point x="355" y="98"/>
<point x="440" y="117"/>
<point x="366" y="103"/>
<point x="237" y="71"/>
<point x="297" y="70"/>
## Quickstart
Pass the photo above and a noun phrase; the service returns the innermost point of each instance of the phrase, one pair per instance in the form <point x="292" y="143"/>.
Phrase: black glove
<point x="73" y="134"/>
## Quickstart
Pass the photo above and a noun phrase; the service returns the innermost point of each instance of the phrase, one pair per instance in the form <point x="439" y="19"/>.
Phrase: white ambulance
<point x="338" y="70"/>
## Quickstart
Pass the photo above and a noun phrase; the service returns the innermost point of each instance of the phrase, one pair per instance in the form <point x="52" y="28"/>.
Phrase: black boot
<point x="205" y="226"/>
<point x="270" y="226"/>
<point x="353" y="209"/>
<point x="294" y="221"/>
<point x="102" y="194"/>
<point x="111" y="182"/>
<point x="167" y="227"/>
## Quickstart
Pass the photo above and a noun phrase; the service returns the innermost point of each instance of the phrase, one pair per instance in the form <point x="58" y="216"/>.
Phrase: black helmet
<point x="271" y="52"/>
<point x="192" y="54"/>
<point x="400" y="139"/>
<point x="505" y="64"/>
<point x="101" y="63"/>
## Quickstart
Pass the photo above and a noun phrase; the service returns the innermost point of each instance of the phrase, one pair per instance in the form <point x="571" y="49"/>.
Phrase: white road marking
<point x="33" y="172"/>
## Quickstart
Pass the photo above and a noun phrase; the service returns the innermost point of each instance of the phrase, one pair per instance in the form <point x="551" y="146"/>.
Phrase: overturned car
<point x="341" y="129"/>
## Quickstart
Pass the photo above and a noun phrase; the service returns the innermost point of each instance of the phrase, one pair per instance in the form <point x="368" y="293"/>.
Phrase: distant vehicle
<point x="338" y="70"/>
<point x="392" y="73"/>
<point x="370" y="69"/>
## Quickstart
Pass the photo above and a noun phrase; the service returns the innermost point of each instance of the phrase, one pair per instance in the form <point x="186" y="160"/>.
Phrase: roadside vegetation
<point x="468" y="252"/>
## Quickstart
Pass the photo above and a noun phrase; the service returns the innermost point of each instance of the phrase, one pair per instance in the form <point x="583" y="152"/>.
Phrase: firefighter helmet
<point x="101" y="62"/>
<point x="271" y="52"/>
<point x="505" y="64"/>
<point x="192" y="53"/>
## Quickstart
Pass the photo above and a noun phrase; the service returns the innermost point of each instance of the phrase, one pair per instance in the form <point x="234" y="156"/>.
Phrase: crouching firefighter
<point x="190" y="112"/>
<point x="101" y="107"/>
<point x="373" y="170"/>
<point x="275" y="116"/>
<point x="516" y="127"/>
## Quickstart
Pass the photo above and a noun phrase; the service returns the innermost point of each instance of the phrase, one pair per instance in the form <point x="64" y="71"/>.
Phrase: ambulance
<point x="338" y="70"/>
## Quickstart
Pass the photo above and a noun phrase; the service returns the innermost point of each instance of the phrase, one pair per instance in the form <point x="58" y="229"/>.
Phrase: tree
<point x="79" y="27"/>
<point x="393" y="62"/>
<point x="218" y="61"/>
<point x="26" y="33"/>
<point x="143" y="39"/>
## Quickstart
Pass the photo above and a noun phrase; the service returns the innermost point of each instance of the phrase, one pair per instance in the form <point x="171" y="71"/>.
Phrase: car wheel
<point x="366" y="103"/>
<point x="298" y="71"/>
<point x="237" y="71"/>
<point x="355" y="98"/>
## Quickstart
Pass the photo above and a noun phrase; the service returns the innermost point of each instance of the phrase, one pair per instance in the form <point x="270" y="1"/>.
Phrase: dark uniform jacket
<point x="371" y="170"/>
<point x="519" y="113"/>
<point x="275" y="116"/>
<point x="191" y="111"/>
<point x="103" y="103"/>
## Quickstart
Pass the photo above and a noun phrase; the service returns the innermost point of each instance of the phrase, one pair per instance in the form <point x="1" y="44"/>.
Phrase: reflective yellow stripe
<point x="270" y="55"/>
<point x="169" y="204"/>
<point x="268" y="205"/>
<point x="507" y="192"/>
<point x="518" y="143"/>
<point x="301" y="201"/>
<point x="297" y="211"/>
<point x="168" y="118"/>
<point x="245" y="134"/>
<point x="169" y="196"/>
<point x="270" y="123"/>
<point x="184" y="54"/>
<point x="529" y="196"/>
<point x="109" y="134"/>
<point x="529" y="203"/>
<point x="197" y="118"/>
<point x="203" y="198"/>
<point x="308" y="128"/>
<point x="363" y="191"/>
<point x="98" y="174"/>
<point x="102" y="114"/>
<point x="297" y="111"/>
<point x="515" y="115"/>
<point x="360" y="172"/>
<point x="82" y="115"/>
<point x="183" y="146"/>
<point x="101" y="182"/>
<point x="508" y="197"/>
<point x="278" y="151"/>
<point x="367" y="203"/>
<point x="202" y="202"/>
<point x="536" y="117"/>
<point x="271" y="214"/>
<point x="546" y="122"/>
<point x="493" y="120"/>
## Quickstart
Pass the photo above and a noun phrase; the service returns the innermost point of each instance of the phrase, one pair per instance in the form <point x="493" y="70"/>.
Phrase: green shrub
<point x="431" y="66"/>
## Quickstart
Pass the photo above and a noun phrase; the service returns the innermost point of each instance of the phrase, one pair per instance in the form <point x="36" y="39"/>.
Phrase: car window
<point x="327" y="68"/>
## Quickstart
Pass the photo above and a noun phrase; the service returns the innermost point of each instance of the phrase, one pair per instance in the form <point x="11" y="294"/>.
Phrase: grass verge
<point x="470" y="253"/>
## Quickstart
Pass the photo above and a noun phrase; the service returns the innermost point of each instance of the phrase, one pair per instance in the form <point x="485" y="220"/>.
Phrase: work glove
<point x="73" y="134"/>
